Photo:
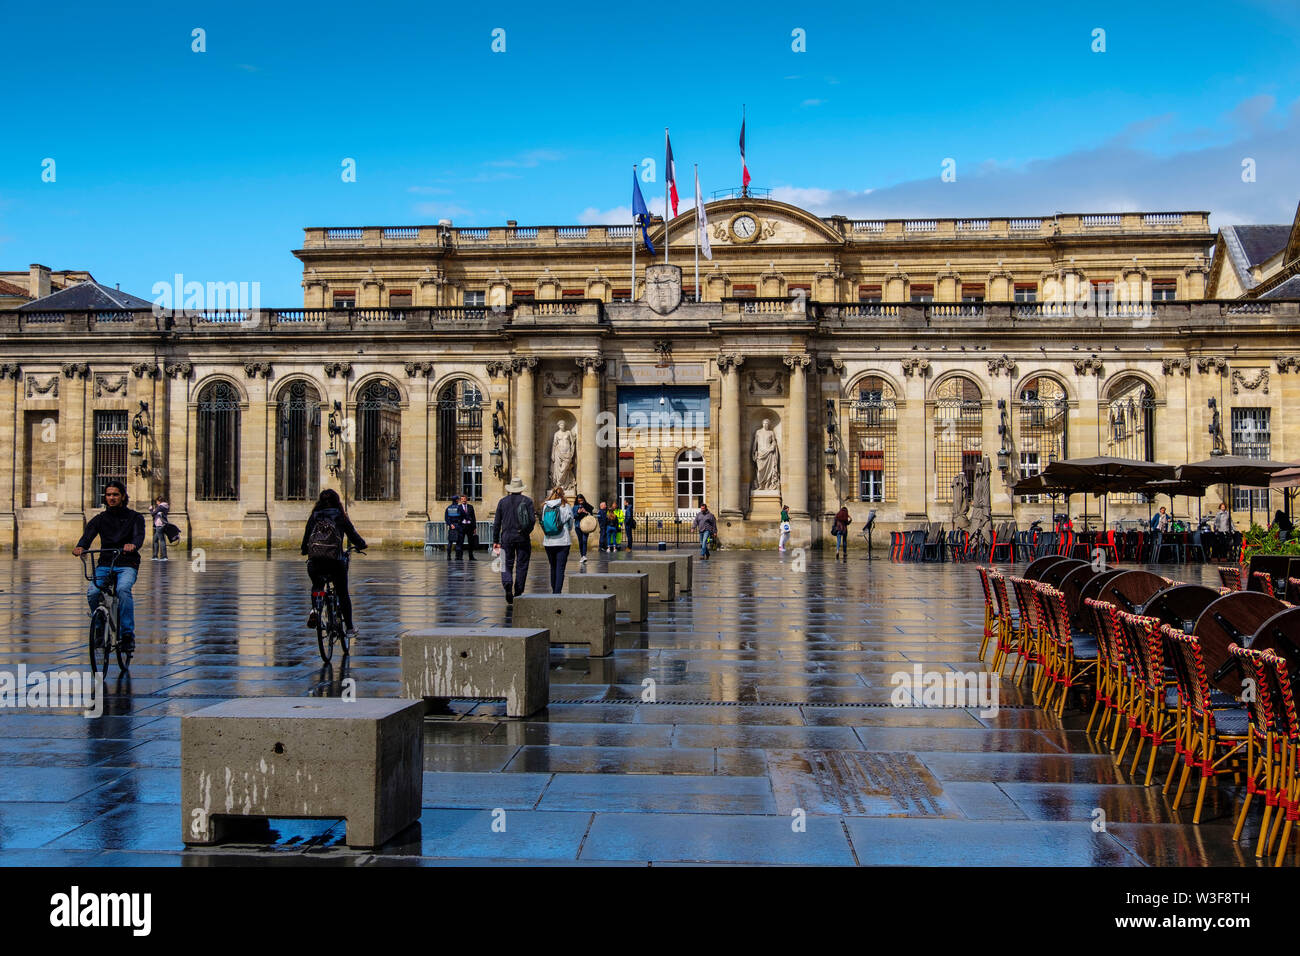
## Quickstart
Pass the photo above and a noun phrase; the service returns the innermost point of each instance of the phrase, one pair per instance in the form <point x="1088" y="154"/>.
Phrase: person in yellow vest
<point x="618" y="535"/>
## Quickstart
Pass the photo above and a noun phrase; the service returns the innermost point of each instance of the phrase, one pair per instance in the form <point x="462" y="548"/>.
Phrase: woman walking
<point x="706" y="525"/>
<point x="557" y="531"/>
<point x="582" y="509"/>
<point x="840" y="528"/>
<point x="159" y="511"/>
<point x="785" y="529"/>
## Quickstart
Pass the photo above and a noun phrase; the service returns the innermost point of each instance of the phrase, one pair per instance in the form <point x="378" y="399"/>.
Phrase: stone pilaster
<point x="588" y="452"/>
<point x="525" y="437"/>
<point x="797" y="416"/>
<point x="729" y="364"/>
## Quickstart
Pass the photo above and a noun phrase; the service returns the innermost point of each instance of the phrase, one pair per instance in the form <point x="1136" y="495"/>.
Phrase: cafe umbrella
<point x="1233" y="470"/>
<point x="1105" y="473"/>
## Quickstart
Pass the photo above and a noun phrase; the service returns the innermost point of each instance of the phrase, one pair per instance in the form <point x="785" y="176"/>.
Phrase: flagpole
<point x="744" y="190"/>
<point x="697" y="232"/>
<point x="632" y="294"/>
<point x="667" y="179"/>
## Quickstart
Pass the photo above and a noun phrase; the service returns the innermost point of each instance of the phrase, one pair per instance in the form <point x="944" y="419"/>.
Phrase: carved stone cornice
<point x="590" y="363"/>
<point x="51" y="386"/>
<point x="1216" y="364"/>
<point x="256" y="369"/>
<point x="497" y="369"/>
<point x="1260" y="381"/>
<point x="1170" y="365"/>
<point x="76" y="370"/>
<point x="1003" y="363"/>
<point x="9" y="370"/>
<point x="524" y="362"/>
<point x="151" y="369"/>
<point x="337" y="369"/>
<point x="730" y="361"/>
<point x="104" y="384"/>
<point x="1288" y="363"/>
<point x="917" y="366"/>
<point x="799" y="360"/>
<point x="416" y="369"/>
<point x="179" y="370"/>
<point x="1091" y="364"/>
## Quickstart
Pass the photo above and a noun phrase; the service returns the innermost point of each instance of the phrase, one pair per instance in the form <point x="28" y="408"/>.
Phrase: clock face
<point x="744" y="227"/>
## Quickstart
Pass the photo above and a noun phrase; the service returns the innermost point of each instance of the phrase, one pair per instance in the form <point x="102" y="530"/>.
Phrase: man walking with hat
<point x="513" y="523"/>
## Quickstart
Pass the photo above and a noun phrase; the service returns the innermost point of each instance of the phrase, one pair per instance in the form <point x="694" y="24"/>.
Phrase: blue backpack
<point x="552" y="521"/>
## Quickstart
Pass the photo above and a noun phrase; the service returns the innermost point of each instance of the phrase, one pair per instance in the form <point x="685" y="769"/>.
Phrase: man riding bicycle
<point x="119" y="529"/>
<point x="322" y="542"/>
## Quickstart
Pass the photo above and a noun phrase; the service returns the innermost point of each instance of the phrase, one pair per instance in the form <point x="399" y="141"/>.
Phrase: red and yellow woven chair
<point x="1209" y="729"/>
<point x="1156" y="710"/>
<point x="992" y="625"/>
<point x="1071" y="654"/>
<point x="1265" y="750"/>
<point x="1110" y="669"/>
<point x="1287" y="778"/>
<point x="1230" y="577"/>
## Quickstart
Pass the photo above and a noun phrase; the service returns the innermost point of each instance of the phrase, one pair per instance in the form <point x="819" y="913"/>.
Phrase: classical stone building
<point x="885" y="357"/>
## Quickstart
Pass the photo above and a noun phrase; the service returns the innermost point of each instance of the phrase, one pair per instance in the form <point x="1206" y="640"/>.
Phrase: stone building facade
<point x="886" y="358"/>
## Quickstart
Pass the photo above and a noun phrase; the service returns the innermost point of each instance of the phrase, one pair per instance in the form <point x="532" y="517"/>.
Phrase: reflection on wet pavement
<point x="747" y="722"/>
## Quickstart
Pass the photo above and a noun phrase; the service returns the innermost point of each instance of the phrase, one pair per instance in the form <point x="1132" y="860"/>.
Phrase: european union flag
<point x="640" y="215"/>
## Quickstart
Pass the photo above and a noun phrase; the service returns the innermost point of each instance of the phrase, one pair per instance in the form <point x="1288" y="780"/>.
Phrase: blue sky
<point x="210" y="164"/>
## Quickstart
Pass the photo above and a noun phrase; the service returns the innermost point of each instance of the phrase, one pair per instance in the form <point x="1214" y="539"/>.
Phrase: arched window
<point x="1130" y="426"/>
<point x="217" y="443"/>
<point x="297" y="443"/>
<point x="459" y="430"/>
<point x="690" y="480"/>
<point x="873" y="425"/>
<point x="379" y="430"/>
<point x="958" y="433"/>
<point x="1043" y="412"/>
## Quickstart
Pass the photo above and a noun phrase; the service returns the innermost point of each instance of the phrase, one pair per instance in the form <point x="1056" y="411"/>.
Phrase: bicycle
<point x="331" y="628"/>
<point x="105" y="636"/>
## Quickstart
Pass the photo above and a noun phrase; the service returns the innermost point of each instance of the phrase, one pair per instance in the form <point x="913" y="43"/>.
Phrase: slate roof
<point x="1262" y="242"/>
<point x="86" y="295"/>
<point x="1290" y="289"/>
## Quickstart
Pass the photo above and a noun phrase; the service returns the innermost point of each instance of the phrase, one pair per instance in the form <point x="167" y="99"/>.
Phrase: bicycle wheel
<point x="98" y="643"/>
<point x="340" y="628"/>
<point x="325" y="630"/>
<point x="124" y="655"/>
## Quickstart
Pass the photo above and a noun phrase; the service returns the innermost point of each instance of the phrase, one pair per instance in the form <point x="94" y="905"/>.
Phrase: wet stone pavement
<point x="771" y="738"/>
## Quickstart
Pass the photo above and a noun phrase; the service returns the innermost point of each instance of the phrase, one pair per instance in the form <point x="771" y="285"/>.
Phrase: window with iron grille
<point x="958" y="433"/>
<point x="873" y="429"/>
<point x="1043" y="413"/>
<point x="111" y="435"/>
<point x="217" y="443"/>
<point x="1252" y="437"/>
<point x="460" y="441"/>
<point x="297" y="442"/>
<point x="379" y="430"/>
<point x="1130" y="424"/>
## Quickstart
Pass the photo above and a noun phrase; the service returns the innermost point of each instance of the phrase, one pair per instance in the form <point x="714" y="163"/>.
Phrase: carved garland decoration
<point x="51" y="386"/>
<point x="103" y="384"/>
<point x="1261" y="379"/>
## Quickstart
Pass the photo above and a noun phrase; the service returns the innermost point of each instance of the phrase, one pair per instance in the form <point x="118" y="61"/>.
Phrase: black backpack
<point x="525" y="516"/>
<point x="326" y="540"/>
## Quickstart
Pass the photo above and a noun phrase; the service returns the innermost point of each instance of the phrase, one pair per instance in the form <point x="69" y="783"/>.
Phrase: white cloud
<point x="811" y="103"/>
<point x="529" y="159"/>
<point x="591" y="216"/>
<point x="428" y="190"/>
<point x="440" y="210"/>
<point x="1117" y="175"/>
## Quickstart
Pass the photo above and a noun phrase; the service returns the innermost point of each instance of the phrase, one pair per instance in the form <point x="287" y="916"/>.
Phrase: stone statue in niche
<point x="563" y="449"/>
<point x="767" y="459"/>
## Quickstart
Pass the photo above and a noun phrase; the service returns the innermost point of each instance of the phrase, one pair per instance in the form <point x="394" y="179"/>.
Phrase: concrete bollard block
<point x="362" y="760"/>
<point x="483" y="662"/>
<point x="685" y="565"/>
<point x="571" y="618"/>
<point x="632" y="590"/>
<point x="663" y="574"/>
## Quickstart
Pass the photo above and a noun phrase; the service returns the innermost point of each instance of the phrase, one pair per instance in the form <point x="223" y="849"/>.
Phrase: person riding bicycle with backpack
<point x="119" y="529"/>
<point x="322" y="542"/>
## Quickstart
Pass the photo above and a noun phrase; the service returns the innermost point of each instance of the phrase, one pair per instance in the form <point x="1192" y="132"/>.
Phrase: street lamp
<point x="1004" y="453"/>
<point x="498" y="458"/>
<point x="140" y="429"/>
<point x="657" y="466"/>
<point x="332" y="456"/>
<point x="831" y="453"/>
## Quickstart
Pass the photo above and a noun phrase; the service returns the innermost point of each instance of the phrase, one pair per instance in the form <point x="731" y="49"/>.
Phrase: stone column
<point x="525" y="463"/>
<point x="797" y="418"/>
<point x="177" y="480"/>
<point x="588" y="452"/>
<point x="729" y="364"/>
<point x="11" y="433"/>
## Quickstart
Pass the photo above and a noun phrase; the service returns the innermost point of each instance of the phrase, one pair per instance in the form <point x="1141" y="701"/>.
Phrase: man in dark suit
<point x="468" y="527"/>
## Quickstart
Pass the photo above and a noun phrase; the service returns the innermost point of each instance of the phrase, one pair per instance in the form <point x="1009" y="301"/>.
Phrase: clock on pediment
<point x="744" y="228"/>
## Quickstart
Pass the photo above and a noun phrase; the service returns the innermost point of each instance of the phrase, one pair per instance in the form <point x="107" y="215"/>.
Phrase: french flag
<point x="744" y="169"/>
<point x="671" y="166"/>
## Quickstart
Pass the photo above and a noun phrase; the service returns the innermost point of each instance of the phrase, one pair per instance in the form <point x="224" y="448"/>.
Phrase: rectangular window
<point x="345" y="300"/>
<point x="524" y="296"/>
<point x="1103" y="298"/>
<point x="573" y="294"/>
<point x="1029" y="466"/>
<point x="475" y="298"/>
<point x="744" y="291"/>
<point x="1164" y="290"/>
<point x="399" y="300"/>
<point x="471" y="476"/>
<point x="922" y="293"/>
<point x="1252" y="437"/>
<point x="111" y="434"/>
<point x="972" y="293"/>
<point x="1026" y="292"/>
<point x="869" y="293"/>
<point x="41" y="467"/>
<point x="621" y="295"/>
<point x="871" y="475"/>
